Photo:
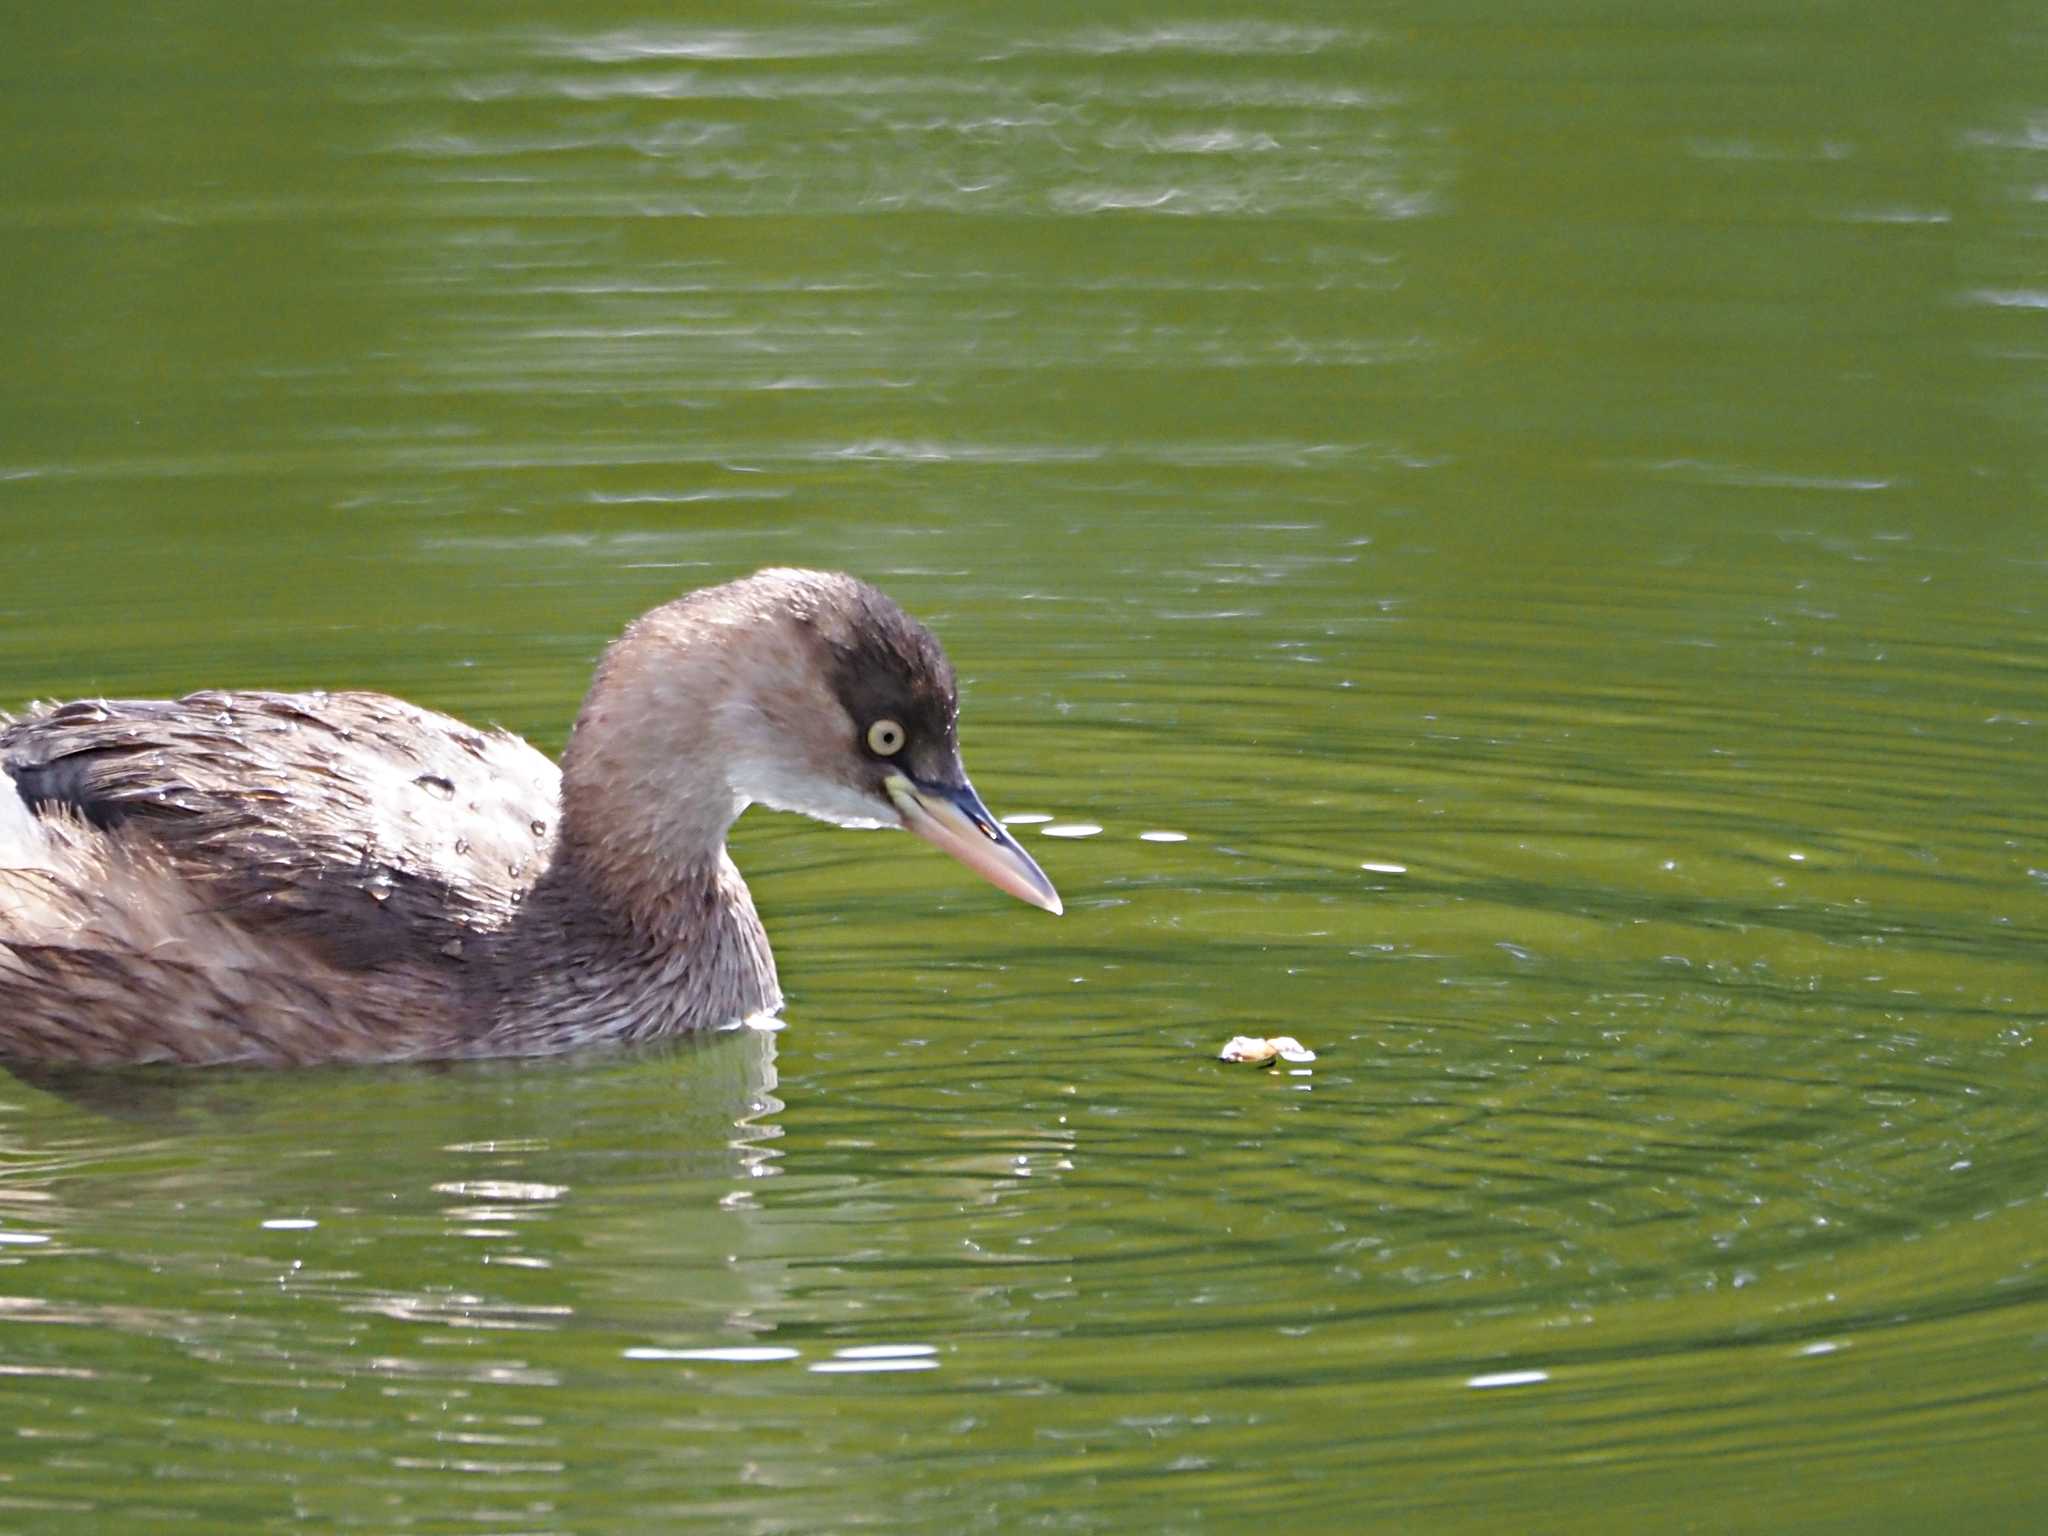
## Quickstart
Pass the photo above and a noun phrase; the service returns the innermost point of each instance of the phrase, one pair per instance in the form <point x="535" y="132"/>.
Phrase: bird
<point x="290" y="879"/>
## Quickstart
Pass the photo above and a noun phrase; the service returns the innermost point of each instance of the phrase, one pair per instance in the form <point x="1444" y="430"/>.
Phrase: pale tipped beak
<point x="952" y="817"/>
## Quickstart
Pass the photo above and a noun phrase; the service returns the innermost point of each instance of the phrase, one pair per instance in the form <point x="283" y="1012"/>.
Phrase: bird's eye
<point x="885" y="738"/>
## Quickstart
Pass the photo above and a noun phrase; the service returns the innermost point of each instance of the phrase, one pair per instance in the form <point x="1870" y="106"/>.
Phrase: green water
<point x="1547" y="500"/>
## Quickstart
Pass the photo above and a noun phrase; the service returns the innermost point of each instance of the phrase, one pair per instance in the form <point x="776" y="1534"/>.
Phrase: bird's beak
<point x="952" y="817"/>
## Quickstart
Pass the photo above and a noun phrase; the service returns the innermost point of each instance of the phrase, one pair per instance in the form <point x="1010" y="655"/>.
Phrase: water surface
<point x="1547" y="507"/>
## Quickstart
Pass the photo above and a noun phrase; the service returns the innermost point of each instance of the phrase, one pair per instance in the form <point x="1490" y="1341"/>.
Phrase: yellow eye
<point x="885" y="738"/>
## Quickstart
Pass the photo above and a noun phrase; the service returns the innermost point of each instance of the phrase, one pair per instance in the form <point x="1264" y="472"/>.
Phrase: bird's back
<point x="366" y="827"/>
<point x="209" y="853"/>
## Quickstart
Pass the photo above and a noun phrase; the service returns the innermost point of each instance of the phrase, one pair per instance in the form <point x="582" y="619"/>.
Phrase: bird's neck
<point x="571" y="970"/>
<point x="645" y="811"/>
<point x="641" y="926"/>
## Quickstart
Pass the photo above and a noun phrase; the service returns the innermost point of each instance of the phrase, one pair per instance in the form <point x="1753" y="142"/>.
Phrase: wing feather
<point x="371" y="829"/>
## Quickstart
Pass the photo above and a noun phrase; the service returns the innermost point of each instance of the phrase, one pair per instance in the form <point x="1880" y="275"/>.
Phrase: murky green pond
<point x="1546" y="502"/>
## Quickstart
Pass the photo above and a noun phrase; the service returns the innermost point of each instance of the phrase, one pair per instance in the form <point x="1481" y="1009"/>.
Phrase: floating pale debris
<point x="1025" y="819"/>
<point x="1258" y="1052"/>
<point x="1162" y="837"/>
<point x="1070" y="829"/>
<point x="1379" y="868"/>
